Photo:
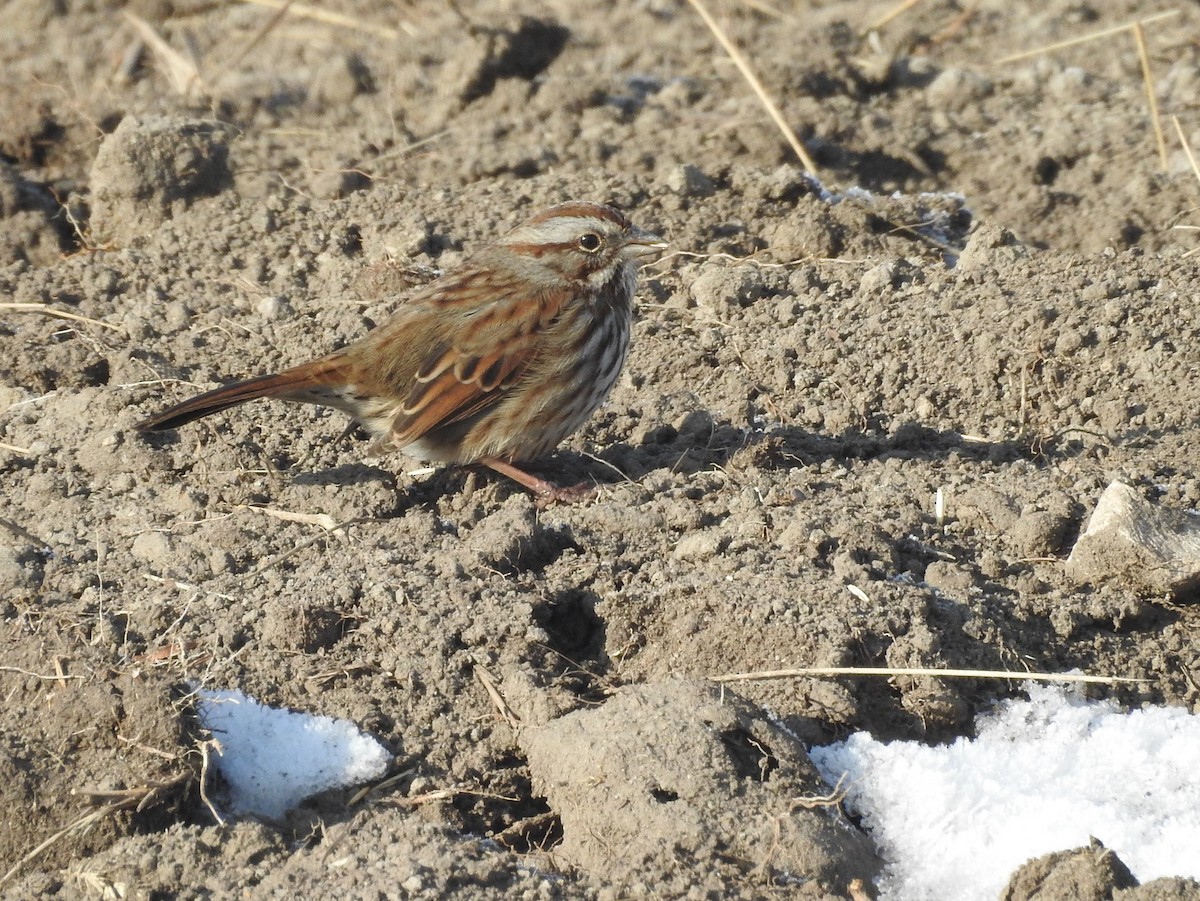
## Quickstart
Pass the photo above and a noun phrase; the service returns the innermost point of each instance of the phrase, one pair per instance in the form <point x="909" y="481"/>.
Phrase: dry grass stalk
<point x="897" y="10"/>
<point x="434" y="796"/>
<point x="206" y="748"/>
<point x="271" y="564"/>
<point x="488" y="681"/>
<point x="955" y="25"/>
<point x="324" y="520"/>
<point x="134" y="798"/>
<point x="1083" y="39"/>
<point x="175" y="650"/>
<point x="186" y="586"/>
<point x="58" y="677"/>
<point x="757" y="86"/>
<point x="267" y="27"/>
<point x="98" y="885"/>
<point x="1187" y="149"/>
<point x="834" y="798"/>
<point x="47" y="310"/>
<point x="331" y="18"/>
<point x="1138" y="29"/>
<point x="519" y="835"/>
<point x="767" y="10"/>
<point x="22" y="532"/>
<point x="367" y="790"/>
<point x="1139" y="38"/>
<point x="183" y="73"/>
<point x="805" y="672"/>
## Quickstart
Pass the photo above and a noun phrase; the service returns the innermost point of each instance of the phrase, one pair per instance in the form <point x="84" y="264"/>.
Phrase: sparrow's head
<point x="580" y="241"/>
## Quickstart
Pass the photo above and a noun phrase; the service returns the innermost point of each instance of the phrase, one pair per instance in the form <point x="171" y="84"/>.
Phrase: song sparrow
<point x="496" y="362"/>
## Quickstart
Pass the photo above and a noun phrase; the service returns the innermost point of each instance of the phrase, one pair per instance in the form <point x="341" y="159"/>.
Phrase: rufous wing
<point x="473" y="370"/>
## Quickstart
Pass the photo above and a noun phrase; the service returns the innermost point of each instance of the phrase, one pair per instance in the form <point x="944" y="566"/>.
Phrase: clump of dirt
<point x="1094" y="872"/>
<point x="149" y="170"/>
<point x="866" y="415"/>
<point x="636" y="780"/>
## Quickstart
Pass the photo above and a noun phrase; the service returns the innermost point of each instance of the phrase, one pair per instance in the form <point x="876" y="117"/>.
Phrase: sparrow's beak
<point x="639" y="243"/>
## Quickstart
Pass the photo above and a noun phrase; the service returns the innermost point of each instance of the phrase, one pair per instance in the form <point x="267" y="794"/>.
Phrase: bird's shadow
<point x="702" y="443"/>
<point x="699" y="443"/>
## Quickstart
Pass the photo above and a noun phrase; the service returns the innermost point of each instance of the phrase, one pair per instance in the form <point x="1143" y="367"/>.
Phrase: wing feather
<point x="491" y="348"/>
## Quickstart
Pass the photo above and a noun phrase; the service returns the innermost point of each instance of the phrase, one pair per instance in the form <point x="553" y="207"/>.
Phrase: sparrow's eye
<point x="589" y="243"/>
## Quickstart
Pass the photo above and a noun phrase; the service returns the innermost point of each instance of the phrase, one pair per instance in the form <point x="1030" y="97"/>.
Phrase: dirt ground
<point x="988" y="293"/>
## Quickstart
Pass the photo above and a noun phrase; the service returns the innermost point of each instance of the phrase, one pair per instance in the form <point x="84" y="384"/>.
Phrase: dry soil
<point x="988" y="294"/>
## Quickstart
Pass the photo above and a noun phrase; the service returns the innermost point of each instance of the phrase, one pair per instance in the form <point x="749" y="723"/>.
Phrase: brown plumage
<point x="495" y="362"/>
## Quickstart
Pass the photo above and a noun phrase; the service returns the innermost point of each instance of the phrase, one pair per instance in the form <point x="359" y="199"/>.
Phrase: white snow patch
<point x="1042" y="775"/>
<point x="273" y="759"/>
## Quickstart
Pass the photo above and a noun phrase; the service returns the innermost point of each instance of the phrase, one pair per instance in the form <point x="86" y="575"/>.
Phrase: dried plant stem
<point x="766" y="9"/>
<point x="280" y="11"/>
<point x="1139" y="38"/>
<point x="1138" y="30"/>
<point x="331" y="18"/>
<point x="1187" y="147"/>
<point x="897" y="10"/>
<point x="205" y="761"/>
<point x="57" y="677"/>
<point x="803" y="672"/>
<point x="755" y="84"/>
<point x="1083" y="39"/>
<point x="51" y="311"/>
<point x="133" y="798"/>
<point x="955" y="25"/>
<point x="488" y="681"/>
<point x="21" y="532"/>
<point x="182" y="72"/>
<point x="271" y="564"/>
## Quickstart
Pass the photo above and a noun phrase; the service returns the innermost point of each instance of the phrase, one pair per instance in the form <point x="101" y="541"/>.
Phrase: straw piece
<point x="1139" y="38"/>
<point x="803" y="672"/>
<point x="51" y="311"/>
<point x="755" y="84"/>
<point x="182" y="72"/>
<point x="331" y="18"/>
<point x="892" y="13"/>
<point x="1083" y="39"/>
<point x="1187" y="147"/>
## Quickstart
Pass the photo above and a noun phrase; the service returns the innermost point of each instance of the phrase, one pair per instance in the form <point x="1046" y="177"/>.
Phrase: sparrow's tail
<point x="313" y="382"/>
